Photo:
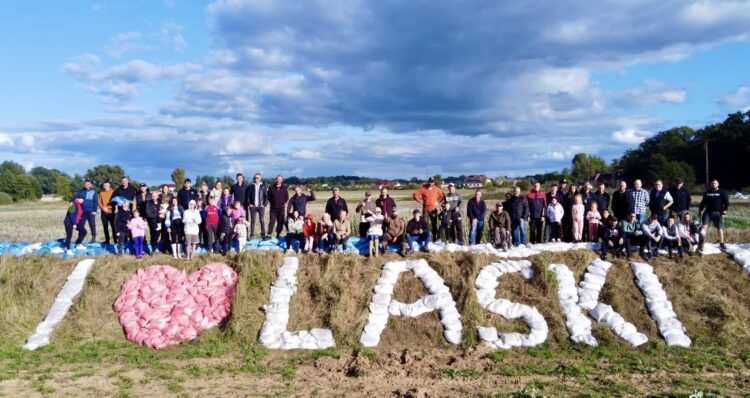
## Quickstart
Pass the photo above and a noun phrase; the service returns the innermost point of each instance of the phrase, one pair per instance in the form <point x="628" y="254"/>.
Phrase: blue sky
<point x="376" y="88"/>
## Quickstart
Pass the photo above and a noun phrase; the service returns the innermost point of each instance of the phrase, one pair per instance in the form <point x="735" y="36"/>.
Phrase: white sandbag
<point x="578" y="325"/>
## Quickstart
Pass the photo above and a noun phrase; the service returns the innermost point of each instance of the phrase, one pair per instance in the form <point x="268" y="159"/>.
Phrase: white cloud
<point x="649" y="93"/>
<point x="736" y="99"/>
<point x="715" y="12"/>
<point x="630" y="136"/>
<point x="307" y="154"/>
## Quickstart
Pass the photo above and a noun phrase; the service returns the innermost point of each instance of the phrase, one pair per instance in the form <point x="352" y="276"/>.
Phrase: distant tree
<point x="11" y="167"/>
<point x="50" y="180"/>
<point x="585" y="167"/>
<point x="20" y="186"/>
<point x="199" y="179"/>
<point x="438" y="179"/>
<point x="63" y="186"/>
<point x="178" y="176"/>
<point x="104" y="172"/>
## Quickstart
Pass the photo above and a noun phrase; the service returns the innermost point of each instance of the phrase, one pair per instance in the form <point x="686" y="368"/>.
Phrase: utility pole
<point x="706" y="148"/>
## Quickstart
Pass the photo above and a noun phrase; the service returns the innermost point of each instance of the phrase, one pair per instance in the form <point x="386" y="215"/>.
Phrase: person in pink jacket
<point x="576" y="212"/>
<point x="137" y="226"/>
<point x="594" y="219"/>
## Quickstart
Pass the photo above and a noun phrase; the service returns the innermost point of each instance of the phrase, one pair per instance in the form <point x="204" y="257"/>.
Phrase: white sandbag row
<point x="578" y="324"/>
<point x="64" y="299"/>
<point x="439" y="299"/>
<point x="659" y="306"/>
<point x="521" y="251"/>
<point x="741" y="254"/>
<point x="487" y="282"/>
<point x="273" y="333"/>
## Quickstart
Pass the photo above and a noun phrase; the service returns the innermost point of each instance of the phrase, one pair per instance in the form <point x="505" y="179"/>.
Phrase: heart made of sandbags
<point x="161" y="306"/>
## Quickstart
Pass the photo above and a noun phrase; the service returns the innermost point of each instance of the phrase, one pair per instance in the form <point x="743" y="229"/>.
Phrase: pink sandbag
<point x="161" y="306"/>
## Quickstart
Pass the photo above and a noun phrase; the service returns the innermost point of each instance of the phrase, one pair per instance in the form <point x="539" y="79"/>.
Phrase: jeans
<point x="260" y="214"/>
<point x="431" y="216"/>
<point x="615" y="246"/>
<point x="290" y="237"/>
<point x="475" y="232"/>
<point x="153" y="233"/>
<point x="212" y="236"/>
<point x="518" y="230"/>
<point x="325" y="244"/>
<point x="138" y="246"/>
<point x="275" y="218"/>
<point x="422" y="239"/>
<point x="535" y="230"/>
<point x="69" y="233"/>
<point x="108" y="222"/>
<point x="91" y="219"/>
<point x="663" y="218"/>
<point x="226" y="246"/>
<point x="641" y="218"/>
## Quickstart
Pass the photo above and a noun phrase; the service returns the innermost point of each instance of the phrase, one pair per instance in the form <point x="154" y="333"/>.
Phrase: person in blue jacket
<point x="90" y="199"/>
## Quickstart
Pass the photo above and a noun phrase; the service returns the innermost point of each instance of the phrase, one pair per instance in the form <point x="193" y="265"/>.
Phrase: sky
<point x="390" y="89"/>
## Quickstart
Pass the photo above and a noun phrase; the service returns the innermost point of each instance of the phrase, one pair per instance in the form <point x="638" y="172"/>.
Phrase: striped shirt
<point x="638" y="201"/>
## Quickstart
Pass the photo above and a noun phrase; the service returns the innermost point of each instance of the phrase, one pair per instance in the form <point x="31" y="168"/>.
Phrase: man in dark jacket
<point x="418" y="231"/>
<point x="537" y="209"/>
<point x="186" y="194"/>
<point x="567" y="220"/>
<point x="660" y="201"/>
<point x="475" y="211"/>
<point x="125" y="191"/>
<point x="612" y="238"/>
<point x="257" y="200"/>
<point x="393" y="232"/>
<point x="239" y="190"/>
<point x="298" y="201"/>
<point x="89" y="205"/>
<point x="500" y="226"/>
<point x="278" y="195"/>
<point x="335" y="204"/>
<point x="385" y="202"/>
<point x="586" y="199"/>
<point x="518" y="208"/>
<point x="141" y="198"/>
<point x="601" y="197"/>
<point x="620" y="201"/>
<point x="716" y="203"/>
<point x="154" y="221"/>
<point x="681" y="197"/>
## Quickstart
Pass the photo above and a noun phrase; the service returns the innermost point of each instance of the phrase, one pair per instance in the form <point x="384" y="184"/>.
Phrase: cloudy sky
<point x="377" y="88"/>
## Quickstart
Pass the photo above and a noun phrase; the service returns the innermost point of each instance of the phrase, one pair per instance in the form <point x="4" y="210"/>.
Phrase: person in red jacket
<point x="430" y="197"/>
<point x="537" y="207"/>
<point x="74" y="219"/>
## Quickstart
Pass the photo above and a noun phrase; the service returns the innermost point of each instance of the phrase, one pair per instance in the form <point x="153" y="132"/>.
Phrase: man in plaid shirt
<point x="638" y="200"/>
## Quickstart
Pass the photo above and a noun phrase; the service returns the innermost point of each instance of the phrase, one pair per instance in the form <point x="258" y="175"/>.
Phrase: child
<point x="605" y="216"/>
<point x="375" y="231"/>
<point x="342" y="230"/>
<point x="192" y="220"/>
<point x="240" y="230"/>
<point x="74" y="219"/>
<point x="308" y="231"/>
<point x="200" y="205"/>
<point x="174" y="228"/>
<point x="446" y="221"/>
<point x="576" y="213"/>
<point x="652" y="236"/>
<point x="122" y="218"/>
<point x="165" y="202"/>
<point x="237" y="211"/>
<point x="137" y="226"/>
<point x="294" y="230"/>
<point x="672" y="238"/>
<point x="211" y="217"/>
<point x="324" y="234"/>
<point x="594" y="218"/>
<point x="555" y="214"/>
<point x="226" y="231"/>
<point x="227" y="199"/>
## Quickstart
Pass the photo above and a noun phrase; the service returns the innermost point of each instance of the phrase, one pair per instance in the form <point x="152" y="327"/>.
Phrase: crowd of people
<point x="216" y="216"/>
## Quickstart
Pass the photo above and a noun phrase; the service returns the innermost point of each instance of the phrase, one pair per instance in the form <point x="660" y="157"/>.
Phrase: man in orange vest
<point x="430" y="197"/>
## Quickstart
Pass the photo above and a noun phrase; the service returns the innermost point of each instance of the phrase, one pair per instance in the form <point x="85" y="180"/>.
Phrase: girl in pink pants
<point x="576" y="212"/>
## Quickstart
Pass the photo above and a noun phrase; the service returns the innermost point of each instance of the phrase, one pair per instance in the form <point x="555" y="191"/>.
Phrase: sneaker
<point x="723" y="246"/>
<point x="70" y="252"/>
<point x="80" y="247"/>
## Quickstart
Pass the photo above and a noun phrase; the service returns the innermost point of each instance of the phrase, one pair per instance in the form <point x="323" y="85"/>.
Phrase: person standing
<point x="366" y="208"/>
<point x="660" y="201"/>
<point x="137" y="226"/>
<point x="257" y="200"/>
<point x="122" y="218"/>
<point x="278" y="195"/>
<point x="577" y="212"/>
<point x="638" y="201"/>
<point x="453" y="198"/>
<point x="217" y="190"/>
<point x="141" y="198"/>
<point x="212" y="217"/>
<point x="124" y="191"/>
<point x="554" y="215"/>
<point x="90" y="202"/>
<point x="239" y="190"/>
<point x="715" y="202"/>
<point x="298" y="201"/>
<point x="518" y="208"/>
<point x="174" y="227"/>
<point x="153" y="208"/>
<point x="186" y="194"/>
<point x="681" y="197"/>
<point x="586" y="199"/>
<point x="336" y="204"/>
<point x="74" y="220"/>
<point x="165" y="196"/>
<point x="386" y="202"/>
<point x="191" y="220"/>
<point x="602" y="198"/>
<point x="620" y="201"/>
<point x="554" y="192"/>
<point x="108" y="213"/>
<point x="429" y="197"/>
<point x="476" y="209"/>
<point x="537" y="208"/>
<point x="567" y="204"/>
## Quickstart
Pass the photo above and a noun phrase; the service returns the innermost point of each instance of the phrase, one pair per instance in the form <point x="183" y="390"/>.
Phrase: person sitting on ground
<point x="240" y="231"/>
<point x="690" y="233"/>
<point x="554" y="215"/>
<point x="122" y="218"/>
<point x="417" y="231"/>
<point x="671" y="238"/>
<point x="632" y="232"/>
<point x="308" y="232"/>
<point x="342" y="230"/>
<point x="137" y="226"/>
<point x="226" y="230"/>
<point x="605" y="216"/>
<point x="375" y="231"/>
<point x="191" y="221"/>
<point x="324" y="234"/>
<point x="394" y="232"/>
<point x="612" y="238"/>
<point x="294" y="226"/>
<point x="594" y="219"/>
<point x="500" y="224"/>
<point x="653" y="236"/>
<point x="74" y="219"/>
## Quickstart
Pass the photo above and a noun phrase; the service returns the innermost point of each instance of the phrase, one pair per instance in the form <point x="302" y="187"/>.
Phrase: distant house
<point x="387" y="184"/>
<point x="475" y="181"/>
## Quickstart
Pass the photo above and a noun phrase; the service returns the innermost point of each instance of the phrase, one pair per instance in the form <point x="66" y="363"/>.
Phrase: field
<point x="89" y="355"/>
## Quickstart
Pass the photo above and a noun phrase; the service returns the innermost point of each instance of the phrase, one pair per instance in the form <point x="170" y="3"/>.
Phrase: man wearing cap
<point x="386" y="202"/>
<point x="660" y="201"/>
<point x="453" y="199"/>
<point x="257" y="200"/>
<point x="186" y="194"/>
<point x="366" y="208"/>
<point x="475" y="211"/>
<point x="681" y="197"/>
<point x="90" y="201"/>
<point x="417" y="231"/>
<point x="336" y="204"/>
<point x="500" y="225"/>
<point x="620" y="201"/>
<point x="430" y="197"/>
<point x="298" y="201"/>
<point x="394" y="229"/>
<point x="278" y="195"/>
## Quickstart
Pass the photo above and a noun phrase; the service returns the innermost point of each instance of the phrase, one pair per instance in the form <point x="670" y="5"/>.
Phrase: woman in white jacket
<point x="375" y="231"/>
<point x="191" y="219"/>
<point x="555" y="213"/>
